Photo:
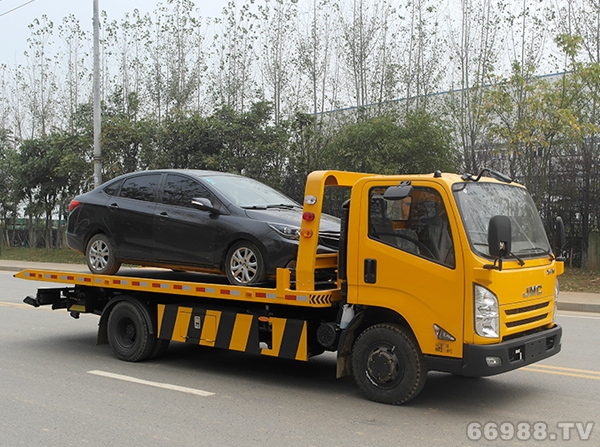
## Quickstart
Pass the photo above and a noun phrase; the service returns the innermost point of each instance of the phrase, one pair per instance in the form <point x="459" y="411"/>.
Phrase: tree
<point x="76" y="71"/>
<point x="38" y="85"/>
<point x="231" y="79"/>
<point x="420" y="143"/>
<point x="278" y="18"/>
<point x="475" y="52"/>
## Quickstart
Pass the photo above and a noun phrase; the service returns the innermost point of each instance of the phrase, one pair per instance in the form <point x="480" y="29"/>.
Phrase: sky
<point x="16" y="15"/>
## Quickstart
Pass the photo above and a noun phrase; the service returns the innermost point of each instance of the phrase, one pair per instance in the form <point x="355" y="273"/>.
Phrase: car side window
<point x="112" y="188"/>
<point x="141" y="187"/>
<point x="417" y="224"/>
<point x="180" y="191"/>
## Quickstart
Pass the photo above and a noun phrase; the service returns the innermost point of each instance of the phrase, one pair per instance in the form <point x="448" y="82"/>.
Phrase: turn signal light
<point x="307" y="232"/>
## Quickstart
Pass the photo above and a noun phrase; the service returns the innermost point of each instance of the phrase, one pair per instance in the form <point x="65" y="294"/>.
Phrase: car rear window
<point x="112" y="188"/>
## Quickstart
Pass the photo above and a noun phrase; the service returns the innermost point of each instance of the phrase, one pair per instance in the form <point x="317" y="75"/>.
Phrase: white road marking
<point x="575" y="314"/>
<point x="166" y="386"/>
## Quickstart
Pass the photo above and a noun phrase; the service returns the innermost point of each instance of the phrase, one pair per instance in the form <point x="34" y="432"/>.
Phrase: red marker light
<point x="308" y="216"/>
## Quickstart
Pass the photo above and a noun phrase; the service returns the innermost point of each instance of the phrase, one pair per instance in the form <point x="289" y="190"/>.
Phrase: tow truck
<point x="435" y="272"/>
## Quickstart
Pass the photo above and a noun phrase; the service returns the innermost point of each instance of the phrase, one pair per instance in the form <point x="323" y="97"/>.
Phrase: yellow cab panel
<point x="409" y="259"/>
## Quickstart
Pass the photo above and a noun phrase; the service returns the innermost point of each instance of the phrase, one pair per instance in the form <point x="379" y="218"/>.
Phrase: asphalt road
<point x="58" y="388"/>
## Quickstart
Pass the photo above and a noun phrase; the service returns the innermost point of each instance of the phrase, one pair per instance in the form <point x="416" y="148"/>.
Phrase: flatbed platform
<point x="191" y="285"/>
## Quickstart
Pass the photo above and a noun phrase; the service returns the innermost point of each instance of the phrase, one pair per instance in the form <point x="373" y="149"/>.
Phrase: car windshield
<point x="248" y="193"/>
<point x="478" y="202"/>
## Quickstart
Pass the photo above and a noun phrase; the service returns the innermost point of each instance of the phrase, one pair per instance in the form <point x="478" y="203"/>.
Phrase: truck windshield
<point x="478" y="202"/>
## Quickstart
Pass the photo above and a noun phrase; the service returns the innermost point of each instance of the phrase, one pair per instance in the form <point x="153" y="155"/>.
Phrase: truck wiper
<point x="539" y="249"/>
<point x="519" y="260"/>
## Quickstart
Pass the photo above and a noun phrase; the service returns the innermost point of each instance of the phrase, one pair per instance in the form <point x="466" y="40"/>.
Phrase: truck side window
<point x="417" y="224"/>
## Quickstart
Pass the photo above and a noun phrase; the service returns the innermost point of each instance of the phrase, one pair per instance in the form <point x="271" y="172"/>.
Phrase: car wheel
<point x="244" y="264"/>
<point x="100" y="256"/>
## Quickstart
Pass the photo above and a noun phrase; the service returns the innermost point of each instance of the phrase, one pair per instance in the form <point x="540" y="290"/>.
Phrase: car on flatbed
<point x="191" y="220"/>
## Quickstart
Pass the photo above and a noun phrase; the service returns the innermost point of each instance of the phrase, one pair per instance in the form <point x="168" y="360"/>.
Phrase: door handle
<point x="113" y="206"/>
<point x="370" y="271"/>
<point x="163" y="216"/>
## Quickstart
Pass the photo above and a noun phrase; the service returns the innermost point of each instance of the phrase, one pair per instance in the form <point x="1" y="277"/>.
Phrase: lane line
<point x="166" y="386"/>
<point x="18" y="305"/>
<point x="562" y="368"/>
<point x="562" y="371"/>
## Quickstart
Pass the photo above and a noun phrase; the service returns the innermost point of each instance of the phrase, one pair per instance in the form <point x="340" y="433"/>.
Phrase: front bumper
<point x="513" y="354"/>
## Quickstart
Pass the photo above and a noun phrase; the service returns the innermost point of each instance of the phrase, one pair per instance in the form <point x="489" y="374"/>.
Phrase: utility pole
<point x="97" y="115"/>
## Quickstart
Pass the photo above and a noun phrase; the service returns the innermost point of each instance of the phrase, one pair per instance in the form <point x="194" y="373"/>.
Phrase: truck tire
<point x="128" y="333"/>
<point x="160" y="347"/>
<point x="388" y="365"/>
<point x="100" y="256"/>
<point x="244" y="264"/>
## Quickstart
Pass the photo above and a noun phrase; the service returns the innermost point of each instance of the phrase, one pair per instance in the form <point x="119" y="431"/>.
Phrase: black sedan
<point x="190" y="220"/>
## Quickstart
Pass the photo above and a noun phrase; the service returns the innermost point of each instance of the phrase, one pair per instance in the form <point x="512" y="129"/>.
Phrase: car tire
<point x="100" y="256"/>
<point x="244" y="264"/>
<point x="388" y="365"/>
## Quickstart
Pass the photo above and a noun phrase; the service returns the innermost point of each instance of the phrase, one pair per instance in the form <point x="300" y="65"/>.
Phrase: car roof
<point x="192" y="172"/>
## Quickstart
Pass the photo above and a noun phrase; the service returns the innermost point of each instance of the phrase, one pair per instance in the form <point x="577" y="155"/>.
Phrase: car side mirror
<point x="499" y="236"/>
<point x="204" y="204"/>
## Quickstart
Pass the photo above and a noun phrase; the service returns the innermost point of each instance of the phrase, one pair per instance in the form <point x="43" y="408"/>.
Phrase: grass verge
<point x="65" y="256"/>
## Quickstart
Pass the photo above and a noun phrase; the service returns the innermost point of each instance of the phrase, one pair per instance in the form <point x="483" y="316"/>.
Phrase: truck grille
<point x="524" y="318"/>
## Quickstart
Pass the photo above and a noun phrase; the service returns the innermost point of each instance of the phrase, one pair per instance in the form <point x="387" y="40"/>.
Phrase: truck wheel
<point x="128" y="333"/>
<point x="387" y="364"/>
<point x="244" y="264"/>
<point x="100" y="256"/>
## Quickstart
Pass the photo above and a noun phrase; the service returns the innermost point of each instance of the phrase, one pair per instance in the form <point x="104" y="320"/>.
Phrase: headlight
<point x="487" y="321"/>
<point x="287" y="231"/>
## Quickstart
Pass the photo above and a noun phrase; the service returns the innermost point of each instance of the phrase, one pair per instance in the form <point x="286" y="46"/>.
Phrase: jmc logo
<point x="533" y="291"/>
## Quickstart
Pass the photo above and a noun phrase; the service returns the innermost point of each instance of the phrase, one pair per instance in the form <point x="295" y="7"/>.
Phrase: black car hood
<point x="292" y="217"/>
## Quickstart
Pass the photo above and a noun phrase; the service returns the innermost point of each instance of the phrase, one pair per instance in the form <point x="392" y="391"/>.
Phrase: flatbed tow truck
<point x="434" y="272"/>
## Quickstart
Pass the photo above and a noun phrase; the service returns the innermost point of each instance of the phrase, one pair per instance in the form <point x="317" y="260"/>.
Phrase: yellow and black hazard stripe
<point x="286" y="338"/>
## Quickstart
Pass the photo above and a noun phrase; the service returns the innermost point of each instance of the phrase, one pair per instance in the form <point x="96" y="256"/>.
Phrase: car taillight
<point x="74" y="204"/>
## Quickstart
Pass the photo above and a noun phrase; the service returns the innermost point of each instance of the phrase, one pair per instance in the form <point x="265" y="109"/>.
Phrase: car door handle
<point x="113" y="206"/>
<point x="163" y="216"/>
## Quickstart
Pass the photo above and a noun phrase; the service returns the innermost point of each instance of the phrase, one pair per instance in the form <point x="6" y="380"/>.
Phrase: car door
<point x="129" y="216"/>
<point x="183" y="234"/>
<point x="408" y="261"/>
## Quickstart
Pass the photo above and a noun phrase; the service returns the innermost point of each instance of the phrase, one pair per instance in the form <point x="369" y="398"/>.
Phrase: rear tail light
<point x="74" y="204"/>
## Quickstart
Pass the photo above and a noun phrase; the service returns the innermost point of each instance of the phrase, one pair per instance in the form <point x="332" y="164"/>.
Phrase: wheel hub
<point x="383" y="367"/>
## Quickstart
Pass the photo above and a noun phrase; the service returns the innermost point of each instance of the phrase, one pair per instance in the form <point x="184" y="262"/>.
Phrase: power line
<point x="14" y="9"/>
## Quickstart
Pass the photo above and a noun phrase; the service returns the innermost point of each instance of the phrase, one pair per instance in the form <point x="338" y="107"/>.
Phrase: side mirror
<point x="499" y="236"/>
<point x="399" y="192"/>
<point x="204" y="204"/>
<point x="559" y="237"/>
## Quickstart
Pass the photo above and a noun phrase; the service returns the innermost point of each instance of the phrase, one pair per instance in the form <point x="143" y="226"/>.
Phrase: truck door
<point x="408" y="260"/>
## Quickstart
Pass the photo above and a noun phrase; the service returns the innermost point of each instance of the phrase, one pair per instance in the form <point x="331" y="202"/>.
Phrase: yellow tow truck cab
<point x="439" y="272"/>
